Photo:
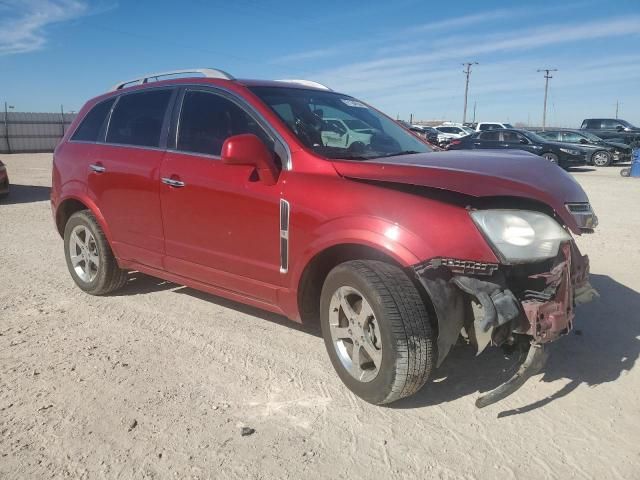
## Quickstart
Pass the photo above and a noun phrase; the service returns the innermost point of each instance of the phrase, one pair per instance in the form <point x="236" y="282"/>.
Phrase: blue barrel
<point x="635" y="162"/>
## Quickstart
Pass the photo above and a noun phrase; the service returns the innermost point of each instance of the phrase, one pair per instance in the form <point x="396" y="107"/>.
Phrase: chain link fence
<point x="30" y="132"/>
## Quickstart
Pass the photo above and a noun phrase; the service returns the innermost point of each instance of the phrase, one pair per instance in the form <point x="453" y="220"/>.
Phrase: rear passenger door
<point x="124" y="178"/>
<point x="488" y="139"/>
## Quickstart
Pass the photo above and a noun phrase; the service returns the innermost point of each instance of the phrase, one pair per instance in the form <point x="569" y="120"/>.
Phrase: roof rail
<point x="306" y="83"/>
<point x="206" y="72"/>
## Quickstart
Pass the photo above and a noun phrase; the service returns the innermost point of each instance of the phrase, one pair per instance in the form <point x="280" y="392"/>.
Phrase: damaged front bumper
<point x="495" y="305"/>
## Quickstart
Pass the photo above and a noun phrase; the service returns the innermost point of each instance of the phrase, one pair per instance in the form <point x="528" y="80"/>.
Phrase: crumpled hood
<point x="486" y="173"/>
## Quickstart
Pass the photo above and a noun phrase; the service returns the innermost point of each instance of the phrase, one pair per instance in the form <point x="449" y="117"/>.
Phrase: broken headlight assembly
<point x="521" y="236"/>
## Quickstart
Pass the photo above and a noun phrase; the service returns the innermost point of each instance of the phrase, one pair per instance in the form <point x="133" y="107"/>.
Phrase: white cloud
<point x="23" y="22"/>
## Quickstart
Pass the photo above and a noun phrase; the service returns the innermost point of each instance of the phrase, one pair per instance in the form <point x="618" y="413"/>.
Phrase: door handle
<point x="172" y="182"/>
<point x="97" y="167"/>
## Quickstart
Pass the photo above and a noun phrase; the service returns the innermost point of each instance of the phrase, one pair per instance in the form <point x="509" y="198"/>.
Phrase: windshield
<point x="591" y="136"/>
<point x="507" y="125"/>
<point x="625" y="123"/>
<point x="468" y="130"/>
<point x="356" y="124"/>
<point x="371" y="134"/>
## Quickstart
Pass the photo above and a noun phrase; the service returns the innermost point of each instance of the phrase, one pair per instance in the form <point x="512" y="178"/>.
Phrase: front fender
<point x="377" y="233"/>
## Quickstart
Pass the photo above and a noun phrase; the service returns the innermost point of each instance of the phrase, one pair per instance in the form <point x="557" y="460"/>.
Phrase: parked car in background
<point x="452" y="131"/>
<point x="612" y="128"/>
<point x="602" y="153"/>
<point x="481" y="126"/>
<point x="4" y="180"/>
<point x="564" y="154"/>
<point x="225" y="185"/>
<point x="337" y="132"/>
<point x="428" y="133"/>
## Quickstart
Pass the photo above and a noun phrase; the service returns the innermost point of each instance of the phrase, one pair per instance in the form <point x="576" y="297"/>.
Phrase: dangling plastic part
<point x="536" y="359"/>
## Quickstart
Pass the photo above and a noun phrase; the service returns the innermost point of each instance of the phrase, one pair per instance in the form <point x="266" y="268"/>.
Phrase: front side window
<point x="93" y="122"/>
<point x="137" y="118"/>
<point x="611" y="124"/>
<point x="208" y="119"/>
<point x="309" y="115"/>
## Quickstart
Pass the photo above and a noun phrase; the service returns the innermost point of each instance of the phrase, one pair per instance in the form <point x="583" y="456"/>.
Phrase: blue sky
<point x="402" y="56"/>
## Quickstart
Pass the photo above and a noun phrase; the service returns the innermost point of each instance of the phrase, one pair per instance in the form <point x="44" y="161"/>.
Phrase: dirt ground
<point x="158" y="380"/>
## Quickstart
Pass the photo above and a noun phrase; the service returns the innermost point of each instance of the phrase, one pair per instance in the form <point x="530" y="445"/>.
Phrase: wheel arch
<point x="315" y="272"/>
<point x="73" y="204"/>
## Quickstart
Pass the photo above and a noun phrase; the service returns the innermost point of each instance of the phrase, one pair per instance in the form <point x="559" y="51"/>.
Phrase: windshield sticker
<point x="353" y="103"/>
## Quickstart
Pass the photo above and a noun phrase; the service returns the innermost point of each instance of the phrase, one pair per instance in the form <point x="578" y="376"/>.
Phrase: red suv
<point x="240" y="188"/>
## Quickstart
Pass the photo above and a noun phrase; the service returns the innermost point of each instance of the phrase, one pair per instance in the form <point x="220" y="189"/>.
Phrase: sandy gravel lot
<point x="157" y="381"/>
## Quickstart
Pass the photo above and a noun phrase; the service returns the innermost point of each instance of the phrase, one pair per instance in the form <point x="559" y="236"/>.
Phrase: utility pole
<point x="467" y="72"/>
<point x="617" y="108"/>
<point x="411" y="119"/>
<point x="547" y="76"/>
<point x="474" y="112"/>
<point x="6" y="125"/>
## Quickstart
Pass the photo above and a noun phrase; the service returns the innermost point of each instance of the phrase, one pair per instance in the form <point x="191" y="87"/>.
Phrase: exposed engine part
<point x="499" y="305"/>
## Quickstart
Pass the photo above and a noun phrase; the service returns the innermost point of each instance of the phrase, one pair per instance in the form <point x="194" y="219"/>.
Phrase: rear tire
<point x="90" y="259"/>
<point x="373" y="308"/>
<point x="601" y="158"/>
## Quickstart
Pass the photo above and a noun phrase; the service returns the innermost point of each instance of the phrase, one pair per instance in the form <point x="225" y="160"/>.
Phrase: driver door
<point x="221" y="225"/>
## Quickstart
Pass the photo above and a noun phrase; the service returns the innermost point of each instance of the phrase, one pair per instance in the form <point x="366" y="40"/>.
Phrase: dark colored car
<point x="224" y="185"/>
<point x="430" y="133"/>
<point x="4" y="180"/>
<point x="612" y="129"/>
<point x="563" y="154"/>
<point x="602" y="152"/>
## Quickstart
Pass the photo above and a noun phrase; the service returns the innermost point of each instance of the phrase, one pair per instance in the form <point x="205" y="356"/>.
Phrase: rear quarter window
<point x="93" y="122"/>
<point x="138" y="117"/>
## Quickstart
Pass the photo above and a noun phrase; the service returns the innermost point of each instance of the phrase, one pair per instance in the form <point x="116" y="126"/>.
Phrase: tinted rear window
<point x="491" y="136"/>
<point x="138" y="117"/>
<point x="90" y="127"/>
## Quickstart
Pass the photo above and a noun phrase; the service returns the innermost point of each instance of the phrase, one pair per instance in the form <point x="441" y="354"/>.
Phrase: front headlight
<point x="521" y="235"/>
<point x="570" y="151"/>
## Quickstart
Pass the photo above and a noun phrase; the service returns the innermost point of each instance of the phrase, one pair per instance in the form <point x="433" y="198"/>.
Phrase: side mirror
<point x="248" y="149"/>
<point x="524" y="141"/>
<point x="584" y="141"/>
<point x="619" y="128"/>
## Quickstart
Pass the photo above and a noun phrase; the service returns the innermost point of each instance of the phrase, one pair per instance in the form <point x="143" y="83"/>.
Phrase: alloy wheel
<point x="601" y="159"/>
<point x="355" y="334"/>
<point x="83" y="252"/>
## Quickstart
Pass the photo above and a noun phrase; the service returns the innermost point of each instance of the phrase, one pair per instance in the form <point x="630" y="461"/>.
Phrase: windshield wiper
<point x="353" y="157"/>
<point x="396" y="154"/>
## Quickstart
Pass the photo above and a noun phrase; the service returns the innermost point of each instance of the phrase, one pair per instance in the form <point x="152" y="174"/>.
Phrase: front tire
<point x="90" y="259"/>
<point x="601" y="158"/>
<point x="376" y="330"/>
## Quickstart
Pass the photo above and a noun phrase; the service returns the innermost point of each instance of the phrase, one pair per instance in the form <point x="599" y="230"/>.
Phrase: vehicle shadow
<point x="25" y="194"/>
<point x="605" y="343"/>
<point x="581" y="169"/>
<point x="140" y="284"/>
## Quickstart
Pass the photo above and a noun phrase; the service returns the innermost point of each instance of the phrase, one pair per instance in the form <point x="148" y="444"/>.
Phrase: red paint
<point x="221" y="232"/>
